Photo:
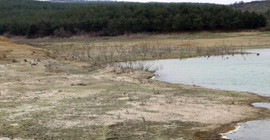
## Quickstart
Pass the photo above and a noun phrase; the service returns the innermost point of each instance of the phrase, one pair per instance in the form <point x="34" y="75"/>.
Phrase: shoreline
<point x="117" y="96"/>
<point x="236" y="129"/>
<point x="236" y="125"/>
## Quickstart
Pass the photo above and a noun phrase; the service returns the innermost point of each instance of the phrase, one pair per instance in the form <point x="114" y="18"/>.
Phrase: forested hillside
<point x="261" y="7"/>
<point x="77" y="1"/>
<point x="36" y="19"/>
<point x="255" y="6"/>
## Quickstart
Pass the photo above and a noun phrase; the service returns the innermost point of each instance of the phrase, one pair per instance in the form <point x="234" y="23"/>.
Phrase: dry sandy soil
<point x="45" y="98"/>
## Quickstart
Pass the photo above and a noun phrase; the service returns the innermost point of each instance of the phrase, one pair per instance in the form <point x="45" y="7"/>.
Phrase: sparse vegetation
<point x="102" y="51"/>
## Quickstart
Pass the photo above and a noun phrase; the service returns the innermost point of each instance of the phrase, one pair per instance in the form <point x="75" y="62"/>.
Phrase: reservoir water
<point x="253" y="130"/>
<point x="248" y="73"/>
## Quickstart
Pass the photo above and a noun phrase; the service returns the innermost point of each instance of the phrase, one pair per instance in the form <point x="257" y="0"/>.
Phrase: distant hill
<point x="255" y="6"/>
<point x="262" y="7"/>
<point x="78" y="1"/>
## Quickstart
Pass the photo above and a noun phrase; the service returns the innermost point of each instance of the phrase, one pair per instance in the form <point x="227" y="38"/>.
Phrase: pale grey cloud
<point x="201" y="1"/>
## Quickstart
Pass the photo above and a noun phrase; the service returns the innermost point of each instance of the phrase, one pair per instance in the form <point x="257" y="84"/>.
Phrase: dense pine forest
<point x="36" y="19"/>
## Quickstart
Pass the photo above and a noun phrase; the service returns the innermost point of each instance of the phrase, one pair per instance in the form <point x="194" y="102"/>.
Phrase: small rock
<point x="33" y="63"/>
<point x="14" y="124"/>
<point x="14" y="61"/>
<point x="82" y="84"/>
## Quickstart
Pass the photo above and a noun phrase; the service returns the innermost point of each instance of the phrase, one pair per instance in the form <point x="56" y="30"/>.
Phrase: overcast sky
<point x="202" y="1"/>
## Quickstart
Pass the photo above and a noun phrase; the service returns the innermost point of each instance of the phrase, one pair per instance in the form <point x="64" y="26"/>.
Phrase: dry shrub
<point x="103" y="52"/>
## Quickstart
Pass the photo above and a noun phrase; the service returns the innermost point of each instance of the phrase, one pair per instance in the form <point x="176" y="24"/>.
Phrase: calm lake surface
<point x="248" y="73"/>
<point x="253" y="130"/>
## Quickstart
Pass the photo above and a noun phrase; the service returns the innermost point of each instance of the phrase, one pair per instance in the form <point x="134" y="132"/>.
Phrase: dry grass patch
<point x="103" y="50"/>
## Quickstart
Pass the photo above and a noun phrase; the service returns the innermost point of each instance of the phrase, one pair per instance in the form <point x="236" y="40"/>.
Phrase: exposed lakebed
<point x="247" y="73"/>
